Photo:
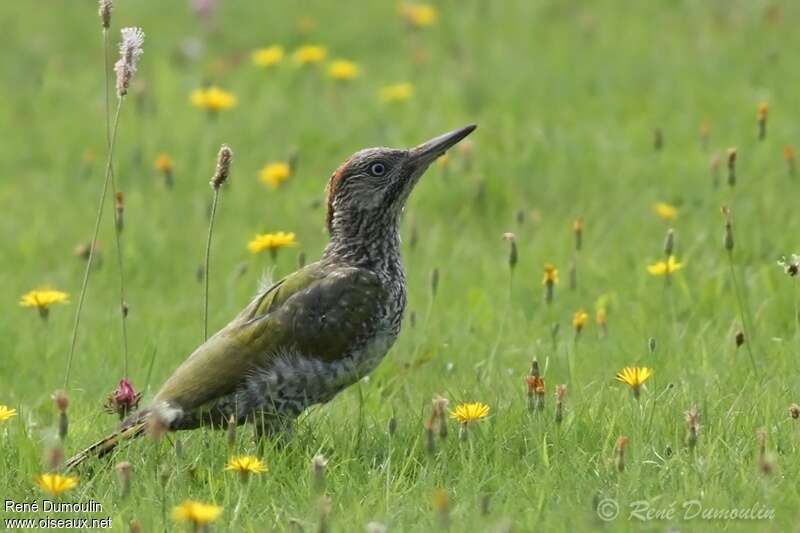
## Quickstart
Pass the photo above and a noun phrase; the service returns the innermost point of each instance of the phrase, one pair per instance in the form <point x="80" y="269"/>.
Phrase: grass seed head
<point x="619" y="452"/>
<point x="223" y="169"/>
<point x="692" y="426"/>
<point x="739" y="339"/>
<point x="577" y="230"/>
<point x="119" y="210"/>
<point x="104" y="10"/>
<point x="230" y="432"/>
<point x="123" y="470"/>
<point x="669" y="242"/>
<point x="54" y="456"/>
<point x="318" y="466"/>
<point x="62" y="403"/>
<point x="560" y="394"/>
<point x="513" y="256"/>
<point x="130" y="50"/>
<point x="727" y="240"/>
<point x="731" y="166"/>
<point x="761" y="117"/>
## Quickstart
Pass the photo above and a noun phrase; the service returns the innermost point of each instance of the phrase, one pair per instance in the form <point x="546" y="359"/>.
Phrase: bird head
<point x="374" y="183"/>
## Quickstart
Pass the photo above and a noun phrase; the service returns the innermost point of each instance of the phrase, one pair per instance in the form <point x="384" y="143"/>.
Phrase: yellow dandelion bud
<point x="310" y="54"/>
<point x="418" y="15"/>
<point x="268" y="57"/>
<point x="198" y="513"/>
<point x="343" y="70"/>
<point x="665" y="210"/>
<point x="665" y="268"/>
<point x="579" y="320"/>
<point x="212" y="99"/>
<point x="398" y="92"/>
<point x="274" y="174"/>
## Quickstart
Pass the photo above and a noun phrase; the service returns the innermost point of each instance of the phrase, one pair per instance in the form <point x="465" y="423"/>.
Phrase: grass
<point x="567" y="97"/>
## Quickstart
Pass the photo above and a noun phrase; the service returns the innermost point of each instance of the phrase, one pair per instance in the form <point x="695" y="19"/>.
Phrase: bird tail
<point x="106" y="445"/>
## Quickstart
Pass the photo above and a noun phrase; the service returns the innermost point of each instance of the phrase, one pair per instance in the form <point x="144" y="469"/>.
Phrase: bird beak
<point x="427" y="152"/>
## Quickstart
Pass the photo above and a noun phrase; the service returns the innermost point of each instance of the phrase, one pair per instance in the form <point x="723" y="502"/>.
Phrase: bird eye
<point x="377" y="169"/>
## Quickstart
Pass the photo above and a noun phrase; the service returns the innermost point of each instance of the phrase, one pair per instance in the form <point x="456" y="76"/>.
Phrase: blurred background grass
<point x="567" y="96"/>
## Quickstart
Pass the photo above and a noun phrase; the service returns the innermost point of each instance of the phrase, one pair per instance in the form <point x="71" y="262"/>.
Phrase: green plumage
<point x="317" y="311"/>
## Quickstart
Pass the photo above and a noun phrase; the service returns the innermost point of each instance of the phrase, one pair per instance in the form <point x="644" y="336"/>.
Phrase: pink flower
<point x="123" y="399"/>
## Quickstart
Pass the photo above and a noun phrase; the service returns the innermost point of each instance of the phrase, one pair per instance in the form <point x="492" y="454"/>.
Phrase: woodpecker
<point x="320" y="329"/>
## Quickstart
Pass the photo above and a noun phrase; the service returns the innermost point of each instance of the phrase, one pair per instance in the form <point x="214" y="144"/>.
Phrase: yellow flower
<point x="469" y="412"/>
<point x="273" y="174"/>
<point x="271" y="241"/>
<point x="343" y="70"/>
<point x="310" y="54"/>
<point x="665" y="210"/>
<point x="163" y="163"/>
<point x="42" y="299"/>
<point x="55" y="484"/>
<point x="634" y="377"/>
<point x="579" y="320"/>
<point x="212" y="99"/>
<point x="268" y="57"/>
<point x="665" y="268"/>
<point x="6" y="413"/>
<point x="419" y="15"/>
<point x="550" y="275"/>
<point x="246" y="464"/>
<point x="398" y="92"/>
<point x="763" y="109"/>
<point x="198" y="513"/>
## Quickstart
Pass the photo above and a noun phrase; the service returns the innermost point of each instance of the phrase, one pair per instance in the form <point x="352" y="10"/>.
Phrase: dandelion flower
<point x="665" y="210"/>
<point x="343" y="70"/>
<point x="398" y="92"/>
<point x="467" y="413"/>
<point x="274" y="174"/>
<point x="55" y="484"/>
<point x="761" y="111"/>
<point x="198" y="513"/>
<point x="550" y="275"/>
<point x="42" y="299"/>
<point x="163" y="163"/>
<point x="634" y="377"/>
<point x="310" y="54"/>
<point x="6" y="413"/>
<point x="268" y="57"/>
<point x="271" y="241"/>
<point x="665" y="268"/>
<point x="212" y="99"/>
<point x="245" y="465"/>
<point x="418" y="15"/>
<point x="579" y="320"/>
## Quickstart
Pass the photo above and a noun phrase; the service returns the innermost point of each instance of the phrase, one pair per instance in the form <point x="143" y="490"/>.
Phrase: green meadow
<point x="590" y="111"/>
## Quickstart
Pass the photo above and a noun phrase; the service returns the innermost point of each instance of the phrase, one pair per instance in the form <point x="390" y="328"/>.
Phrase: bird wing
<point x="318" y="312"/>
